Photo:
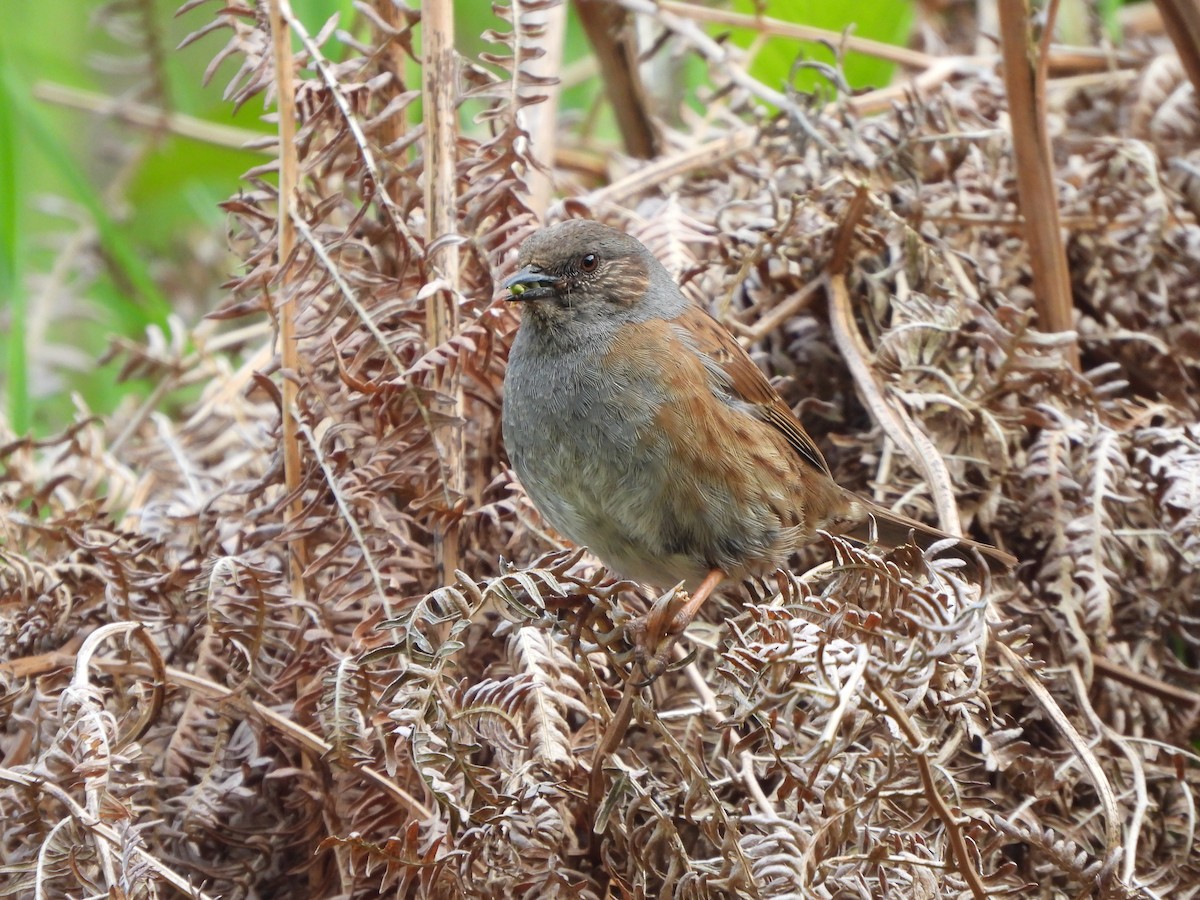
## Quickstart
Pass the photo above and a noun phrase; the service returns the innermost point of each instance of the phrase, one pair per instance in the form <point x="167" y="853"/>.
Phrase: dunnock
<point x="642" y="430"/>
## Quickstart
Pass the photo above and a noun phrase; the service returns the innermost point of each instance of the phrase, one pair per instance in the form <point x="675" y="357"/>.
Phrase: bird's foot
<point x="654" y="634"/>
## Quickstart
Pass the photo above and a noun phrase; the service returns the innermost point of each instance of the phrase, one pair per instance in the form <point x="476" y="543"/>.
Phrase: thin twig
<point x="963" y="858"/>
<point x="298" y="734"/>
<point x="1172" y="696"/>
<point x="717" y="54"/>
<point x="348" y="517"/>
<point x="903" y="56"/>
<point x="145" y="116"/>
<point x="1133" y="825"/>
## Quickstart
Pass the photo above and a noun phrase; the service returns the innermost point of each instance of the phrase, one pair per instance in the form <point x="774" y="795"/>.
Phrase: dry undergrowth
<point x="181" y="706"/>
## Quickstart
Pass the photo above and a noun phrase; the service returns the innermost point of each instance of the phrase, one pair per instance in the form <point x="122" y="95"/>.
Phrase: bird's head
<point x="580" y="271"/>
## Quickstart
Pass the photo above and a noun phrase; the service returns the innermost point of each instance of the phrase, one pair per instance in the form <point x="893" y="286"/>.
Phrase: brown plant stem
<point x="1025" y="82"/>
<point x="892" y="417"/>
<point x="145" y="115"/>
<point x="617" y="726"/>
<point x="289" y="177"/>
<point x="1181" y="21"/>
<point x="230" y="700"/>
<point x="963" y="861"/>
<point x="1179" y="700"/>
<point x="396" y="127"/>
<point x="439" y="76"/>
<point x="610" y="32"/>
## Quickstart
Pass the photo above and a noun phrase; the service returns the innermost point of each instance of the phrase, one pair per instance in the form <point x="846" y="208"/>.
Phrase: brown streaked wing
<point x="746" y="381"/>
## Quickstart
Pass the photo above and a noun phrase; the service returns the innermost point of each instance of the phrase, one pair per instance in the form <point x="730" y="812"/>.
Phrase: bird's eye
<point x="589" y="262"/>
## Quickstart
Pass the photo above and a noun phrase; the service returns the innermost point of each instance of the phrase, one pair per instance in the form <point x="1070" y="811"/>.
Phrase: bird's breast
<point x="572" y="433"/>
<point x="624" y="448"/>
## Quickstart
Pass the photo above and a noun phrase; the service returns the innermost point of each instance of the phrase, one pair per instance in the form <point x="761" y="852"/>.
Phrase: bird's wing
<point x="725" y="358"/>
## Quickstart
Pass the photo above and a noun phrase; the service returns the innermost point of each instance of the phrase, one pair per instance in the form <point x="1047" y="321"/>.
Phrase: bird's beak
<point x="528" y="283"/>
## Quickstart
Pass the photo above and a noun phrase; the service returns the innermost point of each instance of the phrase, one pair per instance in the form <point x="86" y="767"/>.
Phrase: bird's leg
<point x="684" y="617"/>
<point x="655" y="633"/>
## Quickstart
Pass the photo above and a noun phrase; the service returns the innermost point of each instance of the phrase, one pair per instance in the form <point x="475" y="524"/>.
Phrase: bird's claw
<point x="654" y="634"/>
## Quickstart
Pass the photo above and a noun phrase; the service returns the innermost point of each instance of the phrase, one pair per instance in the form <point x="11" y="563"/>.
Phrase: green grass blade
<point x="12" y="293"/>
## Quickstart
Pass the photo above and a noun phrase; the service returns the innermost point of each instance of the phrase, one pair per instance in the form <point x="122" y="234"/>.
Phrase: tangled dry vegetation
<point x="342" y="658"/>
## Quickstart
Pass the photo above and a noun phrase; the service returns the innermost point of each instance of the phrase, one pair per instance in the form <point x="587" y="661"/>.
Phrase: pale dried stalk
<point x="439" y="75"/>
<point x="1137" y="772"/>
<point x="963" y="861"/>
<point x="1108" y="799"/>
<point x="768" y="26"/>
<point x="146" y="116"/>
<point x="542" y="119"/>
<point x="335" y="488"/>
<point x="894" y="420"/>
<point x="662" y="170"/>
<point x="289" y="351"/>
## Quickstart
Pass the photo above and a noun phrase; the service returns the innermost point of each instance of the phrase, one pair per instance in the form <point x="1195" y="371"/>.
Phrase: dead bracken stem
<point x="963" y="857"/>
<point x="1181" y="19"/>
<point x="613" y="37"/>
<point x="1087" y="757"/>
<point x="396" y="127"/>
<point x="1024" y="79"/>
<point x="440" y="80"/>
<point x="892" y="417"/>
<point x="767" y="25"/>
<point x="289" y="354"/>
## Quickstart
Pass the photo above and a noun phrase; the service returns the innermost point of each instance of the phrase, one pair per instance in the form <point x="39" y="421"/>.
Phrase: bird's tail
<point x="894" y="530"/>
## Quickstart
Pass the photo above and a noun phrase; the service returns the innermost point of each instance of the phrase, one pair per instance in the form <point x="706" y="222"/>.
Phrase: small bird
<point x="642" y="430"/>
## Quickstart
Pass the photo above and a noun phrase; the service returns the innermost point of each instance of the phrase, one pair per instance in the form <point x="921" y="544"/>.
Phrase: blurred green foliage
<point x="888" y="21"/>
<point x="138" y="205"/>
<point x="130" y="201"/>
